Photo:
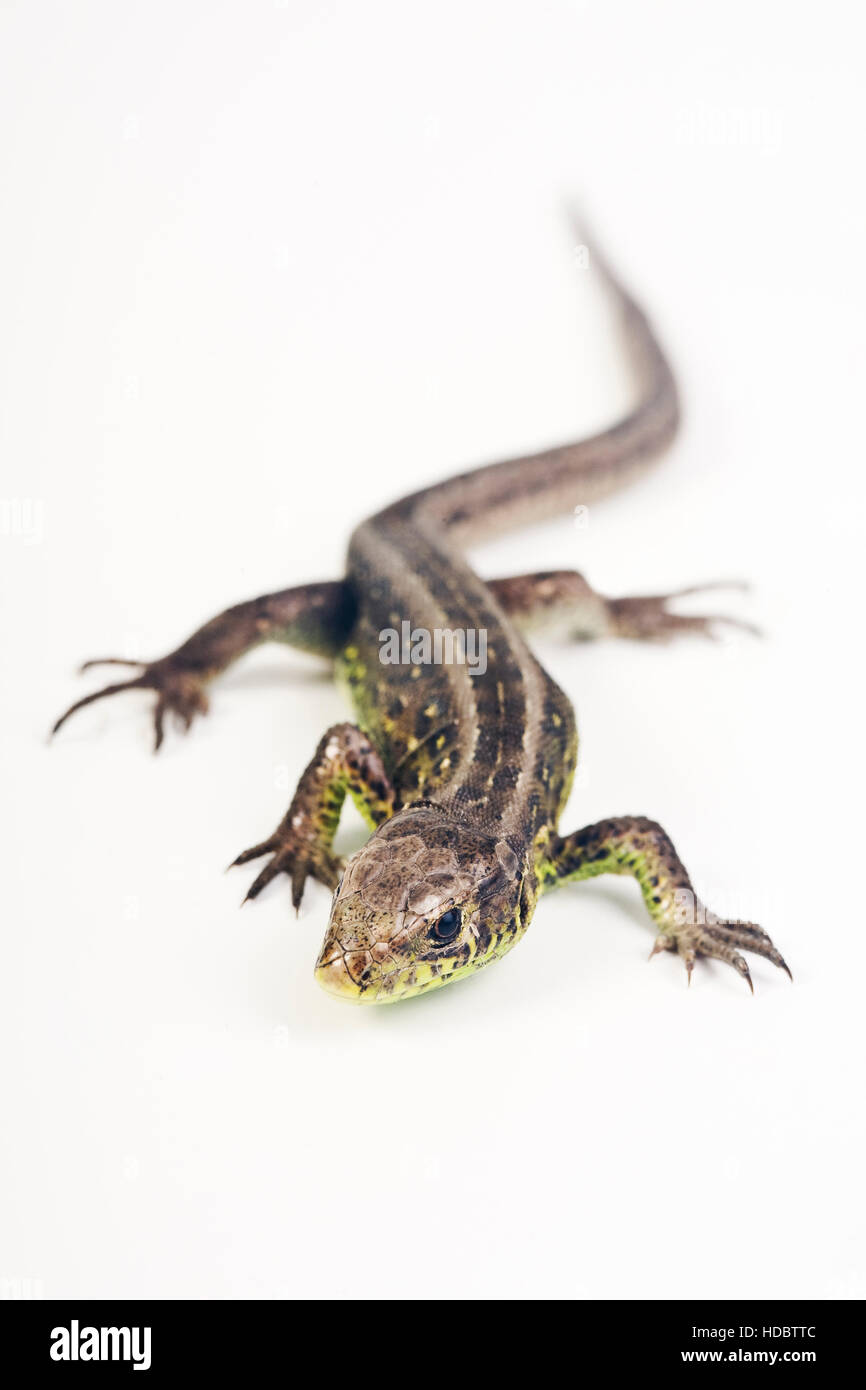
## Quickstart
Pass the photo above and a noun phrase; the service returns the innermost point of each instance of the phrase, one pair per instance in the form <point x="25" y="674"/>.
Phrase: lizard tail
<point x="489" y="500"/>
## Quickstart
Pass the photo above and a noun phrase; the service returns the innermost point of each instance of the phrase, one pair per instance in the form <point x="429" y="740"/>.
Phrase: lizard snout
<point x="333" y="975"/>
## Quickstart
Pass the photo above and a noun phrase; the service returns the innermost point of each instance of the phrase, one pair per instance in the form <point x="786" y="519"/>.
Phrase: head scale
<point x="427" y="900"/>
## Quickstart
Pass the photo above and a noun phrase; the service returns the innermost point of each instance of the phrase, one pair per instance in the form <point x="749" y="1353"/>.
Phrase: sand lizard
<point x="462" y="776"/>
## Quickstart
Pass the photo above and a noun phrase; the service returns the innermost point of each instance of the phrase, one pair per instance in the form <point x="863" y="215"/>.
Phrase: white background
<point x="264" y="267"/>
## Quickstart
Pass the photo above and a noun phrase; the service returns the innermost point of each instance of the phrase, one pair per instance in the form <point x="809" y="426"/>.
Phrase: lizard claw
<point x="719" y="941"/>
<point x="299" y="858"/>
<point x="661" y="943"/>
<point x="110" y="661"/>
<point x="179" y="690"/>
<point x="647" y="616"/>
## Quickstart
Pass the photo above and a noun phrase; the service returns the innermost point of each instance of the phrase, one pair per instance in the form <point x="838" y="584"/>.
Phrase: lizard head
<point x="426" y="901"/>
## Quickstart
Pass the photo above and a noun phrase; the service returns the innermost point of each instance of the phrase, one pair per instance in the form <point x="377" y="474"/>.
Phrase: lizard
<point x="461" y="775"/>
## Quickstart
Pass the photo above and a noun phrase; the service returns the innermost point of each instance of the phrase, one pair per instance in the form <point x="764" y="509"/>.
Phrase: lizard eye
<point x="446" y="927"/>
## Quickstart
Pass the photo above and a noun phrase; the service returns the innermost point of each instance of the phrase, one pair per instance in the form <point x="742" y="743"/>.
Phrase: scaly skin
<point x="640" y="847"/>
<point x="302" y="844"/>
<point x="462" y="777"/>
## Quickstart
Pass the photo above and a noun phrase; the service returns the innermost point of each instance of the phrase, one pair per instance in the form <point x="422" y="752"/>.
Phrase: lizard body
<point x="461" y="774"/>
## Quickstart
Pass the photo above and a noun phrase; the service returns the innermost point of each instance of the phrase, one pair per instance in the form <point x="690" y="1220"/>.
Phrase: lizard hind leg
<point x="313" y="617"/>
<point x="566" y="600"/>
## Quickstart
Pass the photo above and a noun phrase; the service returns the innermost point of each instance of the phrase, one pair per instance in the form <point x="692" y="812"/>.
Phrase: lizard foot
<point x="649" y="619"/>
<point x="179" y="691"/>
<point x="719" y="940"/>
<point x="296" y="854"/>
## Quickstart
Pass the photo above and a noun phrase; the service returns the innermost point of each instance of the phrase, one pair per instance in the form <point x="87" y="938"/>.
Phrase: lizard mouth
<point x="332" y="974"/>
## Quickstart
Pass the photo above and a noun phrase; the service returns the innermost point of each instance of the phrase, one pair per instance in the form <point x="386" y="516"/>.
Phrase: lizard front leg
<point x="640" y="847"/>
<point x="564" y="599"/>
<point x="302" y="844"/>
<point x="314" y="617"/>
